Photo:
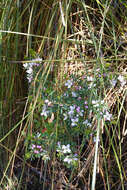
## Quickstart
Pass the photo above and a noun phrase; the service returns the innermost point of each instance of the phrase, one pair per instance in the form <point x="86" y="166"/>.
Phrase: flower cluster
<point x="69" y="83"/>
<point x="37" y="146"/>
<point x="77" y="105"/>
<point x="100" y="108"/>
<point x="73" y="114"/>
<point x="37" y="151"/>
<point x="71" y="111"/>
<point x="63" y="149"/>
<point x="121" y="79"/>
<point x="71" y="159"/>
<point x="66" y="155"/>
<point x="29" y="67"/>
<point x="46" y="108"/>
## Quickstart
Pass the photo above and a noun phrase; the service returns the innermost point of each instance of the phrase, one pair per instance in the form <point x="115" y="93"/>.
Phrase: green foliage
<point x="69" y="110"/>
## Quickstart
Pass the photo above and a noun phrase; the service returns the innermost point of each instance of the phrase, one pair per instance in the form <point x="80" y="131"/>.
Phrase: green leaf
<point x="28" y="155"/>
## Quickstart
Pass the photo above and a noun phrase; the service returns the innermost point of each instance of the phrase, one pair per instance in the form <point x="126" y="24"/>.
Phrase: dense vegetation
<point x="63" y="97"/>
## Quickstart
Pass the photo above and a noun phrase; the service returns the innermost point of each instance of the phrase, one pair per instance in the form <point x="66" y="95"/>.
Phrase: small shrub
<point x="66" y="115"/>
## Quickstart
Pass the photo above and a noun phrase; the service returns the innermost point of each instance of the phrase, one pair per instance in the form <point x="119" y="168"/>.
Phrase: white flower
<point x="113" y="82"/>
<point x="46" y="101"/>
<point x="66" y="149"/>
<point x="74" y="121"/>
<point x="38" y="59"/>
<point x="91" y="85"/>
<point x="29" y="78"/>
<point x="74" y="94"/>
<point x="97" y="70"/>
<point x="29" y="67"/>
<point x="122" y="80"/>
<point x="75" y="159"/>
<point x="107" y="116"/>
<point x="95" y="103"/>
<point x="89" y="125"/>
<point x="69" y="83"/>
<point x="25" y="65"/>
<point x="38" y="134"/>
<point x="90" y="79"/>
<point x="68" y="160"/>
<point x="85" y="122"/>
<point x="102" y="102"/>
<point x="44" y="111"/>
<point x="81" y="113"/>
<point x="59" y="144"/>
<point x="70" y="113"/>
<point x="35" y="62"/>
<point x="72" y="108"/>
<point x="29" y="70"/>
<point x="65" y="116"/>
